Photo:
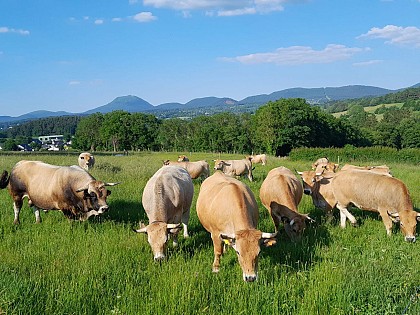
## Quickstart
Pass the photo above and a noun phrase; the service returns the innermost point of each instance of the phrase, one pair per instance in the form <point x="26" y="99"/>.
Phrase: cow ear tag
<point x="226" y="241"/>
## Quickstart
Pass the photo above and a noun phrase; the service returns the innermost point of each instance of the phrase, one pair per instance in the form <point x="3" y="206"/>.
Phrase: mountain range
<point x="132" y="104"/>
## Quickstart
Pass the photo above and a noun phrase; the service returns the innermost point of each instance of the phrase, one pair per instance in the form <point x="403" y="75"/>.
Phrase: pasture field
<point x="102" y="267"/>
<point x="371" y="109"/>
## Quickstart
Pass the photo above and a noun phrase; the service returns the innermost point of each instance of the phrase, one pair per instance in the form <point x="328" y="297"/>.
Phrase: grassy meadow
<point x="102" y="267"/>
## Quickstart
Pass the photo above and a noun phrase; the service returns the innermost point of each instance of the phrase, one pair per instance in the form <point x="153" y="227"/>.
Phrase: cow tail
<point x="4" y="179"/>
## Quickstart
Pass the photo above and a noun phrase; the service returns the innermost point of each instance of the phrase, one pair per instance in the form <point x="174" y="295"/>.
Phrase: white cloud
<point x="74" y="82"/>
<point x="144" y="17"/>
<point x="397" y="35"/>
<point x="220" y="7"/>
<point x="5" y="29"/>
<point x="117" y="19"/>
<point x="367" y="63"/>
<point x="297" y="55"/>
<point x="99" y="21"/>
<point x="133" y="1"/>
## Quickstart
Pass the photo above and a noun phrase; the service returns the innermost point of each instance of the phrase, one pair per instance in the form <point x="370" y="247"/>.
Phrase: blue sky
<point x="80" y="54"/>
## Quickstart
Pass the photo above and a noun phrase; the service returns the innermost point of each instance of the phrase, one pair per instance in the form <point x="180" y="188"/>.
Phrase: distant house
<point x="24" y="147"/>
<point x="52" y="143"/>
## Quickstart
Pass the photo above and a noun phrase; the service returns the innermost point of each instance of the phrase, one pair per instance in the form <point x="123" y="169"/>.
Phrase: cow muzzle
<point x="307" y="191"/>
<point x="249" y="278"/>
<point x="103" y="209"/>
<point x="410" y="239"/>
<point x="159" y="257"/>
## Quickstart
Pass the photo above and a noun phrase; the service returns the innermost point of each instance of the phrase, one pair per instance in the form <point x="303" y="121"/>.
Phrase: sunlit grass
<point x="102" y="267"/>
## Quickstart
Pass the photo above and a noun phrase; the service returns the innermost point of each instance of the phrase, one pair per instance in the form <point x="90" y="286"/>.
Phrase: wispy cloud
<point x="144" y="17"/>
<point x="5" y="29"/>
<point x="74" y="82"/>
<point x="298" y="55"/>
<point x="396" y="35"/>
<point x="220" y="7"/>
<point x="367" y="63"/>
<point x="99" y="21"/>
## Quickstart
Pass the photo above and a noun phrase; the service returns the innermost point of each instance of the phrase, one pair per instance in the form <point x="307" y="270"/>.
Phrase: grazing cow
<point x="323" y="163"/>
<point x="86" y="161"/>
<point x="227" y="209"/>
<point x="318" y="186"/>
<point x="67" y="188"/>
<point x="280" y="193"/>
<point x="382" y="169"/>
<point x="195" y="169"/>
<point x="167" y="200"/>
<point x="183" y="158"/>
<point x="259" y="158"/>
<point x="379" y="193"/>
<point x="235" y="167"/>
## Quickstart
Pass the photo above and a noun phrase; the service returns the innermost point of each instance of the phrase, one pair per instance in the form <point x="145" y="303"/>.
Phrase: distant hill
<point x="132" y="104"/>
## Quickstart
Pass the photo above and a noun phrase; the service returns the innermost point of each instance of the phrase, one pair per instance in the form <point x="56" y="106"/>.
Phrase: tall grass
<point x="102" y="267"/>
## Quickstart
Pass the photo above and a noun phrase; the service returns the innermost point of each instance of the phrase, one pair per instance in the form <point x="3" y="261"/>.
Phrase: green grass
<point x="371" y="109"/>
<point x="102" y="267"/>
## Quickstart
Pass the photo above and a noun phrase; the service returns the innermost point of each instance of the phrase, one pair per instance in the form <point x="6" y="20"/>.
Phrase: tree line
<point x="275" y="128"/>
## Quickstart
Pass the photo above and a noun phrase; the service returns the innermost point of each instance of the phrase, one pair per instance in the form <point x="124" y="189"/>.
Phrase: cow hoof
<point x="215" y="269"/>
<point x="355" y="224"/>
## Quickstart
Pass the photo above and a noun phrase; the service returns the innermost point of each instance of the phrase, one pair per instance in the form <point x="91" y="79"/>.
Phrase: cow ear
<point x="112" y="184"/>
<point x="395" y="217"/>
<point x="418" y="216"/>
<point x="143" y="228"/>
<point x="173" y="228"/>
<point x="83" y="188"/>
<point x="228" y="240"/>
<point x="267" y="242"/>
<point x="286" y="220"/>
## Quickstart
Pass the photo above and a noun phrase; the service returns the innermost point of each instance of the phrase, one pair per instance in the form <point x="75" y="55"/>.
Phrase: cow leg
<point x="276" y="220"/>
<point x="174" y="237"/>
<point x="185" y="218"/>
<point x="17" y="205"/>
<point x="387" y="221"/>
<point x="250" y="176"/>
<point x="217" y="247"/>
<point x="344" y="213"/>
<point x="37" y="214"/>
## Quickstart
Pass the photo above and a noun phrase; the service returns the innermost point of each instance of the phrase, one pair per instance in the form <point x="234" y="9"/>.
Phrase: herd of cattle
<point x="226" y="206"/>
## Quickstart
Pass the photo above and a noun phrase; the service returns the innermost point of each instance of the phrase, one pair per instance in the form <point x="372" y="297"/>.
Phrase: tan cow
<point x="183" y="158"/>
<point x="195" y="169"/>
<point x="227" y="209"/>
<point x="167" y="199"/>
<point x="281" y="193"/>
<point x="379" y="193"/>
<point x="323" y="163"/>
<point x="67" y="188"/>
<point x="235" y="167"/>
<point x="86" y="161"/>
<point x="318" y="186"/>
<point x="259" y="158"/>
<point x="382" y="169"/>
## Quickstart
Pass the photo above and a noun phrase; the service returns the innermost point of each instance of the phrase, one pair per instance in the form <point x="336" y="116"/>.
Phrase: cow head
<point x="95" y="194"/>
<point x="158" y="233"/>
<point x="310" y="181"/>
<point x="247" y="243"/>
<point x="86" y="161"/>
<point x="220" y="164"/>
<point x="408" y="222"/>
<point x="165" y="162"/>
<point x="183" y="158"/>
<point x="294" y="227"/>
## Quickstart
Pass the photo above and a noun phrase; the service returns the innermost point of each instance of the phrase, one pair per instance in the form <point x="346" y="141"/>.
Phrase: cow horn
<point x="418" y="216"/>
<point x="268" y="235"/>
<point x="112" y="184"/>
<point x="173" y="225"/>
<point x="300" y="173"/>
<point x="143" y="228"/>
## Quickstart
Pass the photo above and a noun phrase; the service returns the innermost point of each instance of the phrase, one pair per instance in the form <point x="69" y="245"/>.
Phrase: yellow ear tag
<point x="226" y="242"/>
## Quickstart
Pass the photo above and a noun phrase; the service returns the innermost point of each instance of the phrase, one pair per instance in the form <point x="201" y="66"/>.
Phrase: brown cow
<point x="183" y="158"/>
<point x="167" y="199"/>
<point x="375" y="192"/>
<point x="259" y="158"/>
<point x="281" y="193"/>
<point x="235" y="167"/>
<point x="382" y="169"/>
<point x="67" y="188"/>
<point x="227" y="209"/>
<point x="86" y="161"/>
<point x="195" y="169"/>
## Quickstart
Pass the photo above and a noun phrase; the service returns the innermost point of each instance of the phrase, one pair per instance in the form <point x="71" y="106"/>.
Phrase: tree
<point x="88" y="135"/>
<point x="10" y="145"/>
